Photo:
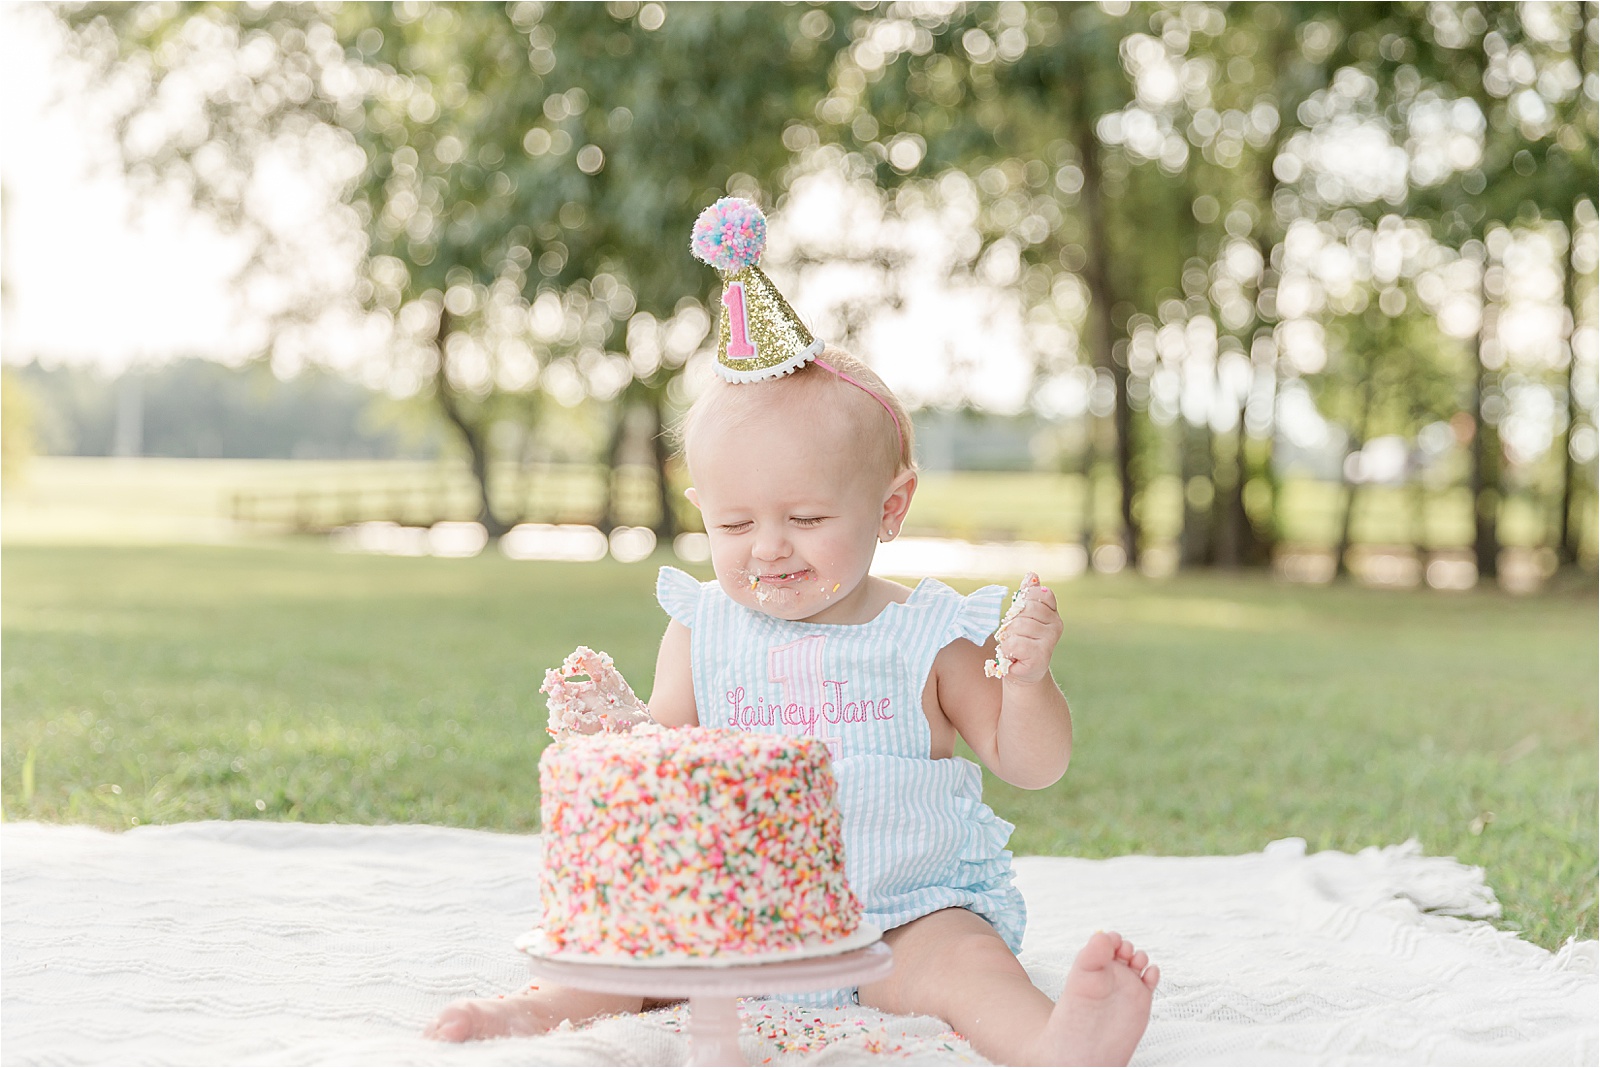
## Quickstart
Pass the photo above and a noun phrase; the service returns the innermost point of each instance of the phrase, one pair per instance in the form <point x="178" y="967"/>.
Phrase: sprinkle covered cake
<point x="691" y="842"/>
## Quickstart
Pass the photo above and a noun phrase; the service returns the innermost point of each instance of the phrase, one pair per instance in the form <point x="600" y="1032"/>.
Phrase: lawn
<point x="151" y="684"/>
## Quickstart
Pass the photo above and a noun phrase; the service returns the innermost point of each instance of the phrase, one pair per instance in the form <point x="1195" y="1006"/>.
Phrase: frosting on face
<point x="692" y="841"/>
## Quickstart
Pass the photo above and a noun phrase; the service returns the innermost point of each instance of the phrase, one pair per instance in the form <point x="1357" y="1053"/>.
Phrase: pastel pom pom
<point x="730" y="235"/>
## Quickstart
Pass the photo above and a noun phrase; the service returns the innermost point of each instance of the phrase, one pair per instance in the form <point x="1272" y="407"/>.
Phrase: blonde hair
<point x="724" y="403"/>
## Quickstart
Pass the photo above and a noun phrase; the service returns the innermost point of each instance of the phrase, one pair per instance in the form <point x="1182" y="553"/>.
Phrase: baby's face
<point x="792" y="522"/>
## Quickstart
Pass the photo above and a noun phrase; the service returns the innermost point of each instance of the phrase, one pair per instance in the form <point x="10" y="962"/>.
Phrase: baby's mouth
<point x="780" y="578"/>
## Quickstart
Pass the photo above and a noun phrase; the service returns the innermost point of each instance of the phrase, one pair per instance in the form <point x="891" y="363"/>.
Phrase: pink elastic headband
<point x="899" y="434"/>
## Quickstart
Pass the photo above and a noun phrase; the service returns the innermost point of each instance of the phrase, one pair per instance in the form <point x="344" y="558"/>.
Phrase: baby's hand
<point x="588" y="695"/>
<point x="1027" y="636"/>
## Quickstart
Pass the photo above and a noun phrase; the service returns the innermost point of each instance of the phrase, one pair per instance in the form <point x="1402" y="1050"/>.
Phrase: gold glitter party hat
<point x="760" y="335"/>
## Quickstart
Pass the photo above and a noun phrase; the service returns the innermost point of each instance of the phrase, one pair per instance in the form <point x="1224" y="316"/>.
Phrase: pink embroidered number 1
<point x="797" y="667"/>
<point x="739" y="347"/>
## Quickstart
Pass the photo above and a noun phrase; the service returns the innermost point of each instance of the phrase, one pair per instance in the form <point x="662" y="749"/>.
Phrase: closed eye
<point x="734" y="528"/>
<point x="807" y="520"/>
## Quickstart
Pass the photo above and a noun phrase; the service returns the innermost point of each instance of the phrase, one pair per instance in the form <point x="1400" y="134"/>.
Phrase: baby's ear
<point x="694" y="498"/>
<point x="898" y="502"/>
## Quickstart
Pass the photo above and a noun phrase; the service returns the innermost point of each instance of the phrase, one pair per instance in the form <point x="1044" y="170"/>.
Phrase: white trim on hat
<point x="787" y="367"/>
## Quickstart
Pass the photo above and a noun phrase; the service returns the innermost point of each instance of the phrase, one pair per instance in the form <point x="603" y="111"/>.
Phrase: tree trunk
<point x="1122" y="415"/>
<point x="609" y="520"/>
<point x="1420" y="544"/>
<point x="1087" y="464"/>
<point x="524" y="478"/>
<point x="1260" y="545"/>
<point x="473" y="436"/>
<point x="1358" y="441"/>
<point x="1224" y="517"/>
<point x="1198" y="461"/>
<point x="1567" y="538"/>
<point x="667" y="525"/>
<point x="1096" y="273"/>
<point x="1484" y="458"/>
<point x="1244" y="545"/>
<point x="1341" y="552"/>
<point x="1570" y="533"/>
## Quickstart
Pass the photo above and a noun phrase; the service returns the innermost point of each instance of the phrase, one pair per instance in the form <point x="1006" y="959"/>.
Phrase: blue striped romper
<point x="917" y="835"/>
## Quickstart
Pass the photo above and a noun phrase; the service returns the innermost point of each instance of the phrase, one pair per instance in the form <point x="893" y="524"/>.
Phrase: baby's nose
<point x="770" y="545"/>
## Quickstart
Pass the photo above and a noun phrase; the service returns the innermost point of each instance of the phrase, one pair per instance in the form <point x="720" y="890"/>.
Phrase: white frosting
<point x="601" y="702"/>
<point x="1000" y="666"/>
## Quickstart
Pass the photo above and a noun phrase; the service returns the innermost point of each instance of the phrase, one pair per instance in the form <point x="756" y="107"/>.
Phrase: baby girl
<point x="801" y="461"/>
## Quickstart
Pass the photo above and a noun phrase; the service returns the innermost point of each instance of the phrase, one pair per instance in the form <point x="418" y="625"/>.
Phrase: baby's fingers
<point x="1043" y="595"/>
<point x="1027" y="635"/>
<point x="1030" y="660"/>
<point x="1040" y="612"/>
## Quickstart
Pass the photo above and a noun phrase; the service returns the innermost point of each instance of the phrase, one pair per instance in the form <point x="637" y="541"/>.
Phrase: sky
<point x="88" y="279"/>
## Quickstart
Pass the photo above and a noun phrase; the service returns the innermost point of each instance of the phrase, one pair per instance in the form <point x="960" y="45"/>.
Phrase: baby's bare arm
<point x="1019" y="726"/>
<point x="672" y="697"/>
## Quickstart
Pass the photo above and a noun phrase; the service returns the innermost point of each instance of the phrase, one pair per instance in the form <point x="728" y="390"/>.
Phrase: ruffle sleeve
<point x="979" y="614"/>
<point x="679" y="594"/>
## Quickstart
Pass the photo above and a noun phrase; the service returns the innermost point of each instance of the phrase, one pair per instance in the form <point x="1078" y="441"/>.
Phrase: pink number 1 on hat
<point x="739" y="346"/>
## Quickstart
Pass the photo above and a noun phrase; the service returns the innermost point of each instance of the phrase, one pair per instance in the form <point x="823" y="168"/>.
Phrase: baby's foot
<point x="1104" y="1006"/>
<point x="473" y="1018"/>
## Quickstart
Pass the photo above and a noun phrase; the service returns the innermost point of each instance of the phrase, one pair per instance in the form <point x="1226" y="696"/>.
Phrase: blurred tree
<point x="1134" y="148"/>
<point x="16" y="424"/>
<point x="1248" y="70"/>
<point x="1527" y="73"/>
<point x="1389" y="373"/>
<point x="1574" y="156"/>
<point x="1082" y="127"/>
<point x="518" y="179"/>
<point x="1579" y="291"/>
<point x="1010" y="95"/>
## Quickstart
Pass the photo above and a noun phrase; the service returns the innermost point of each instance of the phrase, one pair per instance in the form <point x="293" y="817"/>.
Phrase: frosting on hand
<point x="602" y="702"/>
<point x="1000" y="666"/>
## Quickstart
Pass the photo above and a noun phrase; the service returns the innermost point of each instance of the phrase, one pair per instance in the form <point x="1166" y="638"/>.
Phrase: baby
<point x="799" y="477"/>
<point x="798" y="480"/>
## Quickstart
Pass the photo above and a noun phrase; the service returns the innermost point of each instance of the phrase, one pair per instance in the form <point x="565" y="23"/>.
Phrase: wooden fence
<point x="419" y="497"/>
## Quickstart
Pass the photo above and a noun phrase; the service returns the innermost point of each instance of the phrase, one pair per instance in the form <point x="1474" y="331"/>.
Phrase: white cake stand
<point x="712" y="987"/>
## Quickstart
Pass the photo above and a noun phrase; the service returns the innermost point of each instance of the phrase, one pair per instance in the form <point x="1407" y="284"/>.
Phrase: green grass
<point x="156" y="684"/>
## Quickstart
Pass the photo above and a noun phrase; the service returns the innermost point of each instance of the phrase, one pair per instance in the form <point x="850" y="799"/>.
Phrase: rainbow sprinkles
<point x="692" y="843"/>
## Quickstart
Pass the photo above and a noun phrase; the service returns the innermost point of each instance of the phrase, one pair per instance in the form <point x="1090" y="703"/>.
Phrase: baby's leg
<point x="536" y="1010"/>
<point x="953" y="965"/>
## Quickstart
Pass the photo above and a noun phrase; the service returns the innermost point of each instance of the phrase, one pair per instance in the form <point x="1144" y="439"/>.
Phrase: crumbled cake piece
<point x="601" y="702"/>
<point x="1000" y="666"/>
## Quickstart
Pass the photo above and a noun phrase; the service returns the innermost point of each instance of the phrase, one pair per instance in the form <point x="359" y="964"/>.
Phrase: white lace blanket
<point x="264" y="943"/>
